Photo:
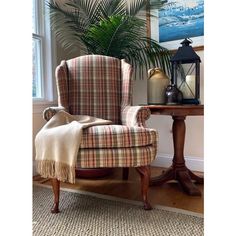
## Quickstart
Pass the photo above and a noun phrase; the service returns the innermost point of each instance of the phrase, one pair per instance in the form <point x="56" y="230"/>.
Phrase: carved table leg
<point x="178" y="171"/>
<point x="144" y="172"/>
<point x="56" y="192"/>
<point x="198" y="179"/>
<point x="186" y="183"/>
<point x="169" y="174"/>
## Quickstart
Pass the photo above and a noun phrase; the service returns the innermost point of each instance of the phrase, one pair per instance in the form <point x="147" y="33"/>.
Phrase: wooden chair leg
<point x="56" y="192"/>
<point x="125" y="173"/>
<point x="144" y="172"/>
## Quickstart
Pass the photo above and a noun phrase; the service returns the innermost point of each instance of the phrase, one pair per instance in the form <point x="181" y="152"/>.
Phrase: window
<point x="41" y="53"/>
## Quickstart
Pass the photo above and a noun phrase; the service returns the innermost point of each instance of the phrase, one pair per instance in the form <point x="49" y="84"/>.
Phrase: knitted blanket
<point x="57" y="144"/>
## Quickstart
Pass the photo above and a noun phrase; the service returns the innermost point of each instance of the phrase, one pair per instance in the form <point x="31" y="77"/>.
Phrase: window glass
<point x="42" y="64"/>
<point x="34" y="17"/>
<point x="36" y="68"/>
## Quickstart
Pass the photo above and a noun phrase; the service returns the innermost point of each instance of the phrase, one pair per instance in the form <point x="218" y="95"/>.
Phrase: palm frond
<point x="88" y="9"/>
<point x="121" y="37"/>
<point x="157" y="4"/>
<point x="114" y="33"/>
<point x="135" y="6"/>
<point x="109" y="27"/>
<point x="112" y="7"/>
<point x="67" y="29"/>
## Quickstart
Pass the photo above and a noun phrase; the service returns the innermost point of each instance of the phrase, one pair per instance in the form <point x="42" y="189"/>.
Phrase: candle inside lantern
<point x="189" y="87"/>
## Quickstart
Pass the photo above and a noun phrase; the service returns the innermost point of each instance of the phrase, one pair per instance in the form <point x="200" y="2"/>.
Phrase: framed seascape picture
<point x="176" y="20"/>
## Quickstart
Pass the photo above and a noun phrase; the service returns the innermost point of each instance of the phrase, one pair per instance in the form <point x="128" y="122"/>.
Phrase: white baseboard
<point x="193" y="163"/>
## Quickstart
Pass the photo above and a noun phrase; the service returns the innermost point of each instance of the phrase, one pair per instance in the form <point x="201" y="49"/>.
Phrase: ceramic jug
<point x="173" y="95"/>
<point x="156" y="86"/>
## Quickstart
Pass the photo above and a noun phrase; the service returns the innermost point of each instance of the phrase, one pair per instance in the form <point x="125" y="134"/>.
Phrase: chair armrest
<point x="135" y="115"/>
<point x="49" y="112"/>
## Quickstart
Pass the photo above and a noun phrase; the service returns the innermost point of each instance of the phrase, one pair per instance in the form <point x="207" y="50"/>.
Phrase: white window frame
<point x="48" y="57"/>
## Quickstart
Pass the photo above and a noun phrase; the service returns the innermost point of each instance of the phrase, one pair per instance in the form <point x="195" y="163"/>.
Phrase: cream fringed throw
<point x="57" y="144"/>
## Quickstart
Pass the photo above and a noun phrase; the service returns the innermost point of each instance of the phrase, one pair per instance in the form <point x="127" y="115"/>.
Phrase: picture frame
<point x="170" y="25"/>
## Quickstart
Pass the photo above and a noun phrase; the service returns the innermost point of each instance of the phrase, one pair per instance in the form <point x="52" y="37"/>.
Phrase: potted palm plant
<point x="109" y="27"/>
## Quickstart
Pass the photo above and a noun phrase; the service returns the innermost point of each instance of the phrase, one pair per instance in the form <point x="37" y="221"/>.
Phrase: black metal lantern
<point x="185" y="72"/>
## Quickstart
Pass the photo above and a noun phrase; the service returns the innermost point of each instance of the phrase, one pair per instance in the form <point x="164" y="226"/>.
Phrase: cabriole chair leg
<point x="144" y="172"/>
<point x="56" y="192"/>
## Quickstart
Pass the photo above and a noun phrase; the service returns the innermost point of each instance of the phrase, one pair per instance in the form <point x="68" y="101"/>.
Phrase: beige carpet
<point x="92" y="216"/>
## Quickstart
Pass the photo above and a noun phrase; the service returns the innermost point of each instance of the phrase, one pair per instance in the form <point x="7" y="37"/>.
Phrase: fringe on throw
<point x="52" y="169"/>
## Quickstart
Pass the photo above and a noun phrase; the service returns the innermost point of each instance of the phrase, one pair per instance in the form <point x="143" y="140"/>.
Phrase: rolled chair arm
<point x="49" y="112"/>
<point x="135" y="115"/>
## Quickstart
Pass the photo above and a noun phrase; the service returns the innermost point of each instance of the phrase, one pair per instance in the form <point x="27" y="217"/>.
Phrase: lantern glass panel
<point x="186" y="80"/>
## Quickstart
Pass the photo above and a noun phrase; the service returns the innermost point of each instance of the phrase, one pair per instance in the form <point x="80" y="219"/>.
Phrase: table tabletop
<point x="176" y="110"/>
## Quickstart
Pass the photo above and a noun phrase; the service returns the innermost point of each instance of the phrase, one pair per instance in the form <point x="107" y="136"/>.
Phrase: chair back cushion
<point x="94" y="86"/>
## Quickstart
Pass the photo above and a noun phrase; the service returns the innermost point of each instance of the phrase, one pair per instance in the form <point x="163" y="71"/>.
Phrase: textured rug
<point x="91" y="216"/>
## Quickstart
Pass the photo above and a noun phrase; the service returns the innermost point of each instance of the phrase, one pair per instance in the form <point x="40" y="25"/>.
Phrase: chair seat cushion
<point x="116" y="157"/>
<point x="117" y="136"/>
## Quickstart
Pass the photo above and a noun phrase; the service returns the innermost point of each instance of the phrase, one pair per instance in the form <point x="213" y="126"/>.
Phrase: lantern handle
<point x="186" y="42"/>
<point x="190" y="40"/>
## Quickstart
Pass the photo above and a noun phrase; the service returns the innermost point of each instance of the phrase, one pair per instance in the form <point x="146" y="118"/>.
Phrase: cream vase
<point x="156" y="86"/>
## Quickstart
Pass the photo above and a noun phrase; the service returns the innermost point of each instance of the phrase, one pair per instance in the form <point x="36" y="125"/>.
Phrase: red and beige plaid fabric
<point x="134" y="115"/>
<point x="116" y="157"/>
<point x="95" y="86"/>
<point x="126" y="74"/>
<point x="100" y="86"/>
<point x="117" y="136"/>
<point x="62" y="85"/>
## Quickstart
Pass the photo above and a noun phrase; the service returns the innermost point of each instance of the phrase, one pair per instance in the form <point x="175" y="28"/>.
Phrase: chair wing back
<point x="92" y="85"/>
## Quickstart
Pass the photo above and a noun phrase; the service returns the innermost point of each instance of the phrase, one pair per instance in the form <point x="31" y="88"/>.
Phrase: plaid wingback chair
<point x="100" y="86"/>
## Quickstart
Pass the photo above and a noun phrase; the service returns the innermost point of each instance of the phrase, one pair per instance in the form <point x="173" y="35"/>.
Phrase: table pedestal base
<point x="183" y="175"/>
<point x="178" y="171"/>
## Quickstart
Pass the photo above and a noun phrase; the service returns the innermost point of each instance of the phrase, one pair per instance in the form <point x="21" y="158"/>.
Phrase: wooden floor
<point x="169" y="194"/>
